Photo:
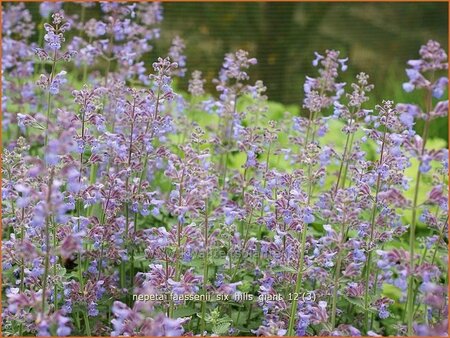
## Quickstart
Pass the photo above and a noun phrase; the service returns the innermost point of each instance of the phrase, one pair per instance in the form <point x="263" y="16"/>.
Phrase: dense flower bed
<point x="131" y="207"/>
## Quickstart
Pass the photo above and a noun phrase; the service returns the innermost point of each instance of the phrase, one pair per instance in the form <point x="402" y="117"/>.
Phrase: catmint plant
<point x="135" y="205"/>
<point x="423" y="75"/>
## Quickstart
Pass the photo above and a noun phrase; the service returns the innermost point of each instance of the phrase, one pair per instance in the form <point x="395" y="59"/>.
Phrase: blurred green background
<point x="378" y="38"/>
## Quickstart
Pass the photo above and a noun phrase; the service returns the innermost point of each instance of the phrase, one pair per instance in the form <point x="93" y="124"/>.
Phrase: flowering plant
<point x="131" y="207"/>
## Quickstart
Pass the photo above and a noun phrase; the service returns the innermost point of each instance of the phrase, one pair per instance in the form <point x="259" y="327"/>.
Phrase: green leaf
<point x="219" y="261"/>
<point x="140" y="259"/>
<point x="359" y="302"/>
<point x="196" y="262"/>
<point x="285" y="269"/>
<point x="221" y="329"/>
<point x="392" y="291"/>
<point x="246" y="286"/>
<point x="185" y="311"/>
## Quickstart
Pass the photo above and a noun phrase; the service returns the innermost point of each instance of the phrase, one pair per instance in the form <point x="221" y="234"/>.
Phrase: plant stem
<point x="441" y="234"/>
<point x="55" y="287"/>
<point x="179" y="228"/>
<point x="80" y="265"/>
<point x="301" y="259"/>
<point x="303" y="236"/>
<point x="298" y="283"/>
<point x="205" y="268"/>
<point x="49" y="96"/>
<point x="343" y="161"/>
<point x="80" y="201"/>
<point x="344" y="178"/>
<point x="228" y="139"/>
<point x="372" y="228"/>
<point x="102" y="222"/>
<point x="241" y="254"/>
<point x="47" y="244"/>
<point x="144" y="170"/>
<point x="127" y="224"/>
<point x="412" y="233"/>
<point x="86" y="322"/>
<point x="22" y="263"/>
<point x="262" y="203"/>
<point x="336" y="277"/>
<point x="308" y="130"/>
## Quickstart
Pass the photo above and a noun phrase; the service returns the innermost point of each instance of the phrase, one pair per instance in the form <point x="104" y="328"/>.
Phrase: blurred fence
<point x="377" y="37"/>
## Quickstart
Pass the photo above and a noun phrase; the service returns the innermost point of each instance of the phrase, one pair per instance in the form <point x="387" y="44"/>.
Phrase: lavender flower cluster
<point x="117" y="184"/>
